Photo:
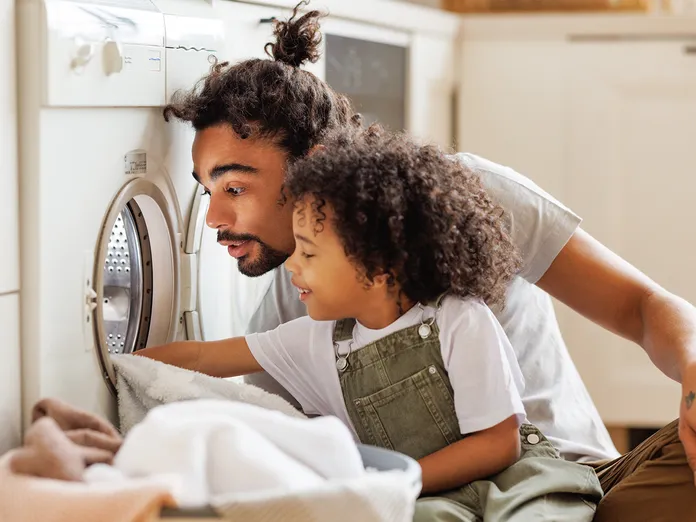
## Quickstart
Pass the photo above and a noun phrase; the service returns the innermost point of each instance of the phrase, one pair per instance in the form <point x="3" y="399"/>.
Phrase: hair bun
<point x="297" y="40"/>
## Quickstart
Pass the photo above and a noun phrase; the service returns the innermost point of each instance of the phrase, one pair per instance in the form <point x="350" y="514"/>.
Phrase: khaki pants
<point x="652" y="483"/>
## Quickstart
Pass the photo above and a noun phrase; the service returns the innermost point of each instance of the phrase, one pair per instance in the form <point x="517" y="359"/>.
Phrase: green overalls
<point x="399" y="397"/>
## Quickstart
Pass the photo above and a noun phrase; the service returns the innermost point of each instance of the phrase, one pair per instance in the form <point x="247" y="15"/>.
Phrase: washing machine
<point x="115" y="254"/>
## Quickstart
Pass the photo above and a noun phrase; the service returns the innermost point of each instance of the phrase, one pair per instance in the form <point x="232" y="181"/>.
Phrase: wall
<point x="437" y="4"/>
<point x="10" y="384"/>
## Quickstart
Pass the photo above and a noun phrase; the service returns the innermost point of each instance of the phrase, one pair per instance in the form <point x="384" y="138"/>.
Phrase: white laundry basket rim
<point x="376" y="458"/>
<point x="382" y="459"/>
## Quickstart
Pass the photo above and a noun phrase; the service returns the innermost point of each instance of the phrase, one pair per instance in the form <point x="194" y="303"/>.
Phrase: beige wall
<point x="427" y="3"/>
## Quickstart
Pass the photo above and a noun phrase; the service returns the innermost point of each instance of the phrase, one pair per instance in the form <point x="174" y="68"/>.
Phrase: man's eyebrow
<point x="221" y="170"/>
<point x="304" y="239"/>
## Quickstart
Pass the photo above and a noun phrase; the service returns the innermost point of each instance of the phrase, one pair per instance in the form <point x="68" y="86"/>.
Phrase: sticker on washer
<point x="135" y="163"/>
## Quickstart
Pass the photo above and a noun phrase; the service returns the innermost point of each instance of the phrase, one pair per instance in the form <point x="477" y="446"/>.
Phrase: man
<point x="253" y="118"/>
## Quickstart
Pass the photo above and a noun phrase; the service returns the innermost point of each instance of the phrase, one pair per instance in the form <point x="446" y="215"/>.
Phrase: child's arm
<point x="225" y="358"/>
<point x="486" y="382"/>
<point x="475" y="457"/>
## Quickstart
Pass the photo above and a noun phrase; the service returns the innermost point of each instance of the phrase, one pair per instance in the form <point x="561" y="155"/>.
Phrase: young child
<point x="398" y="251"/>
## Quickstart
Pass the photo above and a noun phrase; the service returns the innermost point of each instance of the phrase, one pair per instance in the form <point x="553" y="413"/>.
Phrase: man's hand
<point x="687" y="416"/>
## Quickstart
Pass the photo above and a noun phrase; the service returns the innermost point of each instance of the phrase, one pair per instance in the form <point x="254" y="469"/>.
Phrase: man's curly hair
<point x="271" y="98"/>
<point x="409" y="211"/>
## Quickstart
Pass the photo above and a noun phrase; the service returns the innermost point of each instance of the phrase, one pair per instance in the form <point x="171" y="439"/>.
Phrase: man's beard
<point x="268" y="257"/>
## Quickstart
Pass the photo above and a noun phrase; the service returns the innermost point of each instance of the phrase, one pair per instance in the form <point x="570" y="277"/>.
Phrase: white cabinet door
<point x="10" y="374"/>
<point x="631" y="174"/>
<point x="369" y="64"/>
<point x="510" y="101"/>
<point x="431" y="89"/>
<point x="9" y="221"/>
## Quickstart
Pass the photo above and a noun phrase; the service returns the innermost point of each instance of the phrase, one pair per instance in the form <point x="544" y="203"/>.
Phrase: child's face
<point x="329" y="283"/>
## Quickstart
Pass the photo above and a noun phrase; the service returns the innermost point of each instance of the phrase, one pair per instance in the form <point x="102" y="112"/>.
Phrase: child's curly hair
<point x="410" y="211"/>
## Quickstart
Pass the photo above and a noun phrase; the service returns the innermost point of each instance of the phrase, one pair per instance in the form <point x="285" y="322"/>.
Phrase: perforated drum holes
<point x="124" y="297"/>
<point x="135" y="253"/>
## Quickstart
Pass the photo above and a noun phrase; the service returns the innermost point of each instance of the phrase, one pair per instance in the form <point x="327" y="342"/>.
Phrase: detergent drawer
<point x="103" y="55"/>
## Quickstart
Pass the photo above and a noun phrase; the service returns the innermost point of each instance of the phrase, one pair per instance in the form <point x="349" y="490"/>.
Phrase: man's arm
<point x="597" y="283"/>
<point x="225" y="358"/>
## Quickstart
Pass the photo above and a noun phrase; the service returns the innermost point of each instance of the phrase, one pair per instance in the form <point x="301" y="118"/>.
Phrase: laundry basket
<point x="374" y="458"/>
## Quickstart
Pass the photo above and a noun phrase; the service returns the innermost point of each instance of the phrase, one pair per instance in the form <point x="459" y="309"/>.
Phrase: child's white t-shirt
<point x="480" y="362"/>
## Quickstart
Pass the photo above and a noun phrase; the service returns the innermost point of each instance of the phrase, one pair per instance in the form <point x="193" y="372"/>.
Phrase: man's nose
<point x="219" y="215"/>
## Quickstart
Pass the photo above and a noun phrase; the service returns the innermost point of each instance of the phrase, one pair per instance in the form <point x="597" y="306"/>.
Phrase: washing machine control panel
<point x="104" y="54"/>
<point x="192" y="46"/>
<point x="123" y="53"/>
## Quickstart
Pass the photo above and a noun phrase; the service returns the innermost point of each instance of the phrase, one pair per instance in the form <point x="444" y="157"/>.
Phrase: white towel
<point x="254" y="464"/>
<point x="144" y="383"/>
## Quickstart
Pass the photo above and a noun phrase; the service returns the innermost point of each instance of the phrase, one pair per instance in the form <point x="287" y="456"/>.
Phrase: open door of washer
<point x="137" y="278"/>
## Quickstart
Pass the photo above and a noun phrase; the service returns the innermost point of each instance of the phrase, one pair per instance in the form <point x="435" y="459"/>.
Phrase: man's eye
<point x="235" y="191"/>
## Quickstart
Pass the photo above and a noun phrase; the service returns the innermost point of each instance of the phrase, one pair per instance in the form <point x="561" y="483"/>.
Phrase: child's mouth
<point x="304" y="293"/>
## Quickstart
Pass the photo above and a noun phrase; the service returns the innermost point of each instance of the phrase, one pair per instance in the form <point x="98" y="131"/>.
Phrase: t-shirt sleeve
<point x="481" y="365"/>
<point x="282" y="353"/>
<point x="540" y="225"/>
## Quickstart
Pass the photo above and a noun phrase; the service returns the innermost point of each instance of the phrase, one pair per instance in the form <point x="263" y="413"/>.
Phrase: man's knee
<point x="660" y="489"/>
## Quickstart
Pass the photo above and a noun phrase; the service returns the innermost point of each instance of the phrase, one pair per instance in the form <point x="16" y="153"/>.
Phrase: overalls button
<point x="357" y="402"/>
<point x="533" y="438"/>
<point x="432" y="370"/>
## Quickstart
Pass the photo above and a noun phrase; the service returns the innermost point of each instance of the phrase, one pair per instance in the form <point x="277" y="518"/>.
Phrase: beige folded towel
<point x="32" y="499"/>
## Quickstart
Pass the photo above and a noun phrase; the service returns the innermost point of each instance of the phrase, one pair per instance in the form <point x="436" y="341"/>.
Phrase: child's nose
<point x="291" y="263"/>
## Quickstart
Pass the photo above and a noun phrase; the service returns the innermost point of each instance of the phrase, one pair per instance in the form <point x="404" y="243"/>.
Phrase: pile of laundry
<point x="143" y="383"/>
<point x="248" y="457"/>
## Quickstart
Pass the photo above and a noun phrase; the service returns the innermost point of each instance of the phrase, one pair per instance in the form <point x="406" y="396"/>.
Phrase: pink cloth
<point x="32" y="499"/>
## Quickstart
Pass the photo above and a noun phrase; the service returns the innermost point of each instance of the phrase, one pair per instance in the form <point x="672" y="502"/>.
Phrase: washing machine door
<point x="136" y="297"/>
<point x="156" y="281"/>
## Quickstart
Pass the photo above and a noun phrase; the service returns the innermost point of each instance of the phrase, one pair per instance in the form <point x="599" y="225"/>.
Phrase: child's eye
<point x="307" y="256"/>
<point x="235" y="191"/>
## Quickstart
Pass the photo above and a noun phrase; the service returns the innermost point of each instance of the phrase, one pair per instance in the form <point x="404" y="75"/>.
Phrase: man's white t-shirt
<point x="554" y="396"/>
<point x="480" y="362"/>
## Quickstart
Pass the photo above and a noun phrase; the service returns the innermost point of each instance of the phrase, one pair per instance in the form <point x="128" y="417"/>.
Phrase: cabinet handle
<point x="690" y="49"/>
<point x="268" y="20"/>
<point x="630" y="37"/>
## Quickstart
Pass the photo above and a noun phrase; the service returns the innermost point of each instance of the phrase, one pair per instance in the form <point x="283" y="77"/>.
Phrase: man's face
<point x="244" y="180"/>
